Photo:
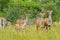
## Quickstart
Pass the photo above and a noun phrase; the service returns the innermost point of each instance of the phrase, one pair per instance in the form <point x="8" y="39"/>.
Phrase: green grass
<point x="31" y="34"/>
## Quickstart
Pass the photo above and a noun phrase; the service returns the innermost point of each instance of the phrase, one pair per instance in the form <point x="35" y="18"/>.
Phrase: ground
<point x="30" y="33"/>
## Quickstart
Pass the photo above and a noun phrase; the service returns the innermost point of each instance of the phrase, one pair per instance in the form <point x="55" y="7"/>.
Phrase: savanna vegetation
<point x="16" y="9"/>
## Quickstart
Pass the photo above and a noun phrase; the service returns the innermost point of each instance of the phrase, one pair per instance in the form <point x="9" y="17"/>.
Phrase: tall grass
<point x="30" y="33"/>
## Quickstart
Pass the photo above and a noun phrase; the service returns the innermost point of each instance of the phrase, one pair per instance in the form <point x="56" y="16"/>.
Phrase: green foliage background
<point x="14" y="9"/>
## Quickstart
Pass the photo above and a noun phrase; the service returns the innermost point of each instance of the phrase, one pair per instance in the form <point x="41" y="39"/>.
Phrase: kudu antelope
<point x="48" y="21"/>
<point x="21" y="23"/>
<point x="2" y="22"/>
<point x="40" y="21"/>
<point x="7" y="23"/>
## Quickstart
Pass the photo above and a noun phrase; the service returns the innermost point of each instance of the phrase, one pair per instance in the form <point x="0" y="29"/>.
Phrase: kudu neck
<point x="49" y="16"/>
<point x="26" y="17"/>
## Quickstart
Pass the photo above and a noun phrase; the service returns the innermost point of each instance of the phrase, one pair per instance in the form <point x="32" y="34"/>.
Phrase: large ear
<point x="43" y="13"/>
<point x="47" y="10"/>
<point x="51" y="11"/>
<point x="27" y="14"/>
<point x="40" y="13"/>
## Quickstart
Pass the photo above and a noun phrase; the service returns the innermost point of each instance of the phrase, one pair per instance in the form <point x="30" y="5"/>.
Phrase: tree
<point x="3" y="4"/>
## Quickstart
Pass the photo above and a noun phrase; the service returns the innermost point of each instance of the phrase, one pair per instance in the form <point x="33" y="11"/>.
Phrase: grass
<point x="31" y="34"/>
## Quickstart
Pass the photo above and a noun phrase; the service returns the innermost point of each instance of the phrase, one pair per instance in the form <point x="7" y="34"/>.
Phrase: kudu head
<point x="27" y="14"/>
<point x="49" y="12"/>
<point x="42" y="15"/>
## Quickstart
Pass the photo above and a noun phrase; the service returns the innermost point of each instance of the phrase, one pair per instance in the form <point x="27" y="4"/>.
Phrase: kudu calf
<point x="48" y="21"/>
<point x="40" y="21"/>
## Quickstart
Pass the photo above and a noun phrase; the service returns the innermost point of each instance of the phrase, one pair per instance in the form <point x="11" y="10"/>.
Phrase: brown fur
<point x="39" y="22"/>
<point x="19" y="24"/>
<point x="47" y="21"/>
